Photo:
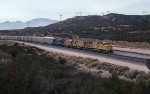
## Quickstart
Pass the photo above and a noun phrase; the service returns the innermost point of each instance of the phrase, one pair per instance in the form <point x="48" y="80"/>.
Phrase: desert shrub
<point x="104" y="66"/>
<point x="14" y="52"/>
<point x="141" y="76"/>
<point x="62" y="60"/>
<point x="89" y="60"/>
<point x="93" y="64"/>
<point x="130" y="74"/>
<point x="16" y="44"/>
<point x="43" y="74"/>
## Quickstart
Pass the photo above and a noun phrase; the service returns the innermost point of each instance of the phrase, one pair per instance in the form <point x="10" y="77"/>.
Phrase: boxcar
<point x="22" y="38"/>
<point x="34" y="39"/>
<point x="18" y="38"/>
<point x="29" y="38"/>
<point x="3" y="37"/>
<point x="40" y="39"/>
<point x="48" y="40"/>
<point x="58" y="42"/>
<point x="10" y="37"/>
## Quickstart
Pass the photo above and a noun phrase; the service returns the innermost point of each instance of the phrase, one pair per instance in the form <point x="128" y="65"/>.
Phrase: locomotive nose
<point x="109" y="48"/>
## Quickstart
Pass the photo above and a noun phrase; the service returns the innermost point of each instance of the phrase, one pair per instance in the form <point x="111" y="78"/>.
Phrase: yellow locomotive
<point x="104" y="47"/>
<point x="78" y="44"/>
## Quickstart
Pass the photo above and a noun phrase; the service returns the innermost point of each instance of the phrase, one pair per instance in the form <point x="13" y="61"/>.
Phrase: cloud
<point x="28" y="9"/>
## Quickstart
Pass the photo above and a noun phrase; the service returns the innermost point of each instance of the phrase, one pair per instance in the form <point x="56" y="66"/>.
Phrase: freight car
<point x="104" y="47"/>
<point x="48" y="40"/>
<point x="58" y="42"/>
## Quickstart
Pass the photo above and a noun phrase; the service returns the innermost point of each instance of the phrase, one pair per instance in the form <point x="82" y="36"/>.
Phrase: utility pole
<point x="108" y="11"/>
<point x="80" y="13"/>
<point x="61" y="17"/>
<point x="76" y="13"/>
<point x="102" y="13"/>
<point x="144" y="12"/>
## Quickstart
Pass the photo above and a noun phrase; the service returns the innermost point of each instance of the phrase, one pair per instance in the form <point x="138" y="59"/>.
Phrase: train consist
<point x="104" y="47"/>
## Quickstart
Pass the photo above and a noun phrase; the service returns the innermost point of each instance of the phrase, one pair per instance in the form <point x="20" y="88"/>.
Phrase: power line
<point x="80" y="13"/>
<point x="102" y="13"/>
<point x="144" y="12"/>
<point x="108" y="11"/>
<point x="76" y="13"/>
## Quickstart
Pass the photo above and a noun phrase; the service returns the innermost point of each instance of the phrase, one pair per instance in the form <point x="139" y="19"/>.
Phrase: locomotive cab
<point x="108" y="46"/>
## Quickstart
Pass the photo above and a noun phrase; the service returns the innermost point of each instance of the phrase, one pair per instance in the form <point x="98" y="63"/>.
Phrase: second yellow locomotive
<point x="104" y="47"/>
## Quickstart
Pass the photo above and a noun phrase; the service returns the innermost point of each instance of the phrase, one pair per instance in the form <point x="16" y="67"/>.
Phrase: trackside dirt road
<point x="82" y="53"/>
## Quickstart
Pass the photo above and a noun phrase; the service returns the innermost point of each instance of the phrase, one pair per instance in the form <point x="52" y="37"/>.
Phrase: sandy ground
<point x="132" y="65"/>
<point x="133" y="50"/>
<point x="144" y="56"/>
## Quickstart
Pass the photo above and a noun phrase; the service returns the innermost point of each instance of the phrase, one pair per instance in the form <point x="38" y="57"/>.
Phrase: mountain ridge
<point x="108" y="27"/>
<point x="7" y="25"/>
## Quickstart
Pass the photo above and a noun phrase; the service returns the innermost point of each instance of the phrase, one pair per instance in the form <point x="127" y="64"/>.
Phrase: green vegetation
<point x="29" y="70"/>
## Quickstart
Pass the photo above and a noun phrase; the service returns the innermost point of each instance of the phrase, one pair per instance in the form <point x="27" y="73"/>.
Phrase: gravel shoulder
<point x="132" y="50"/>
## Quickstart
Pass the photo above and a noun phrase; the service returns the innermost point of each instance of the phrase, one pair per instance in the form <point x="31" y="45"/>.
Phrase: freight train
<point x="102" y="47"/>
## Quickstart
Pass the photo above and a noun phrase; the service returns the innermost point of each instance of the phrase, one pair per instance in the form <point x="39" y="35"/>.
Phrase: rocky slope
<point x="111" y="26"/>
<point x="28" y="70"/>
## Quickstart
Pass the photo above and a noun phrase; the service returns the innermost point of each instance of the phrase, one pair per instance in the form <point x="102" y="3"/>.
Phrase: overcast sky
<point x="25" y="10"/>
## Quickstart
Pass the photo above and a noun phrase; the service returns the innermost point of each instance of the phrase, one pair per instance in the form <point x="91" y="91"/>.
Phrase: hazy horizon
<point x="27" y="20"/>
<point x="25" y="10"/>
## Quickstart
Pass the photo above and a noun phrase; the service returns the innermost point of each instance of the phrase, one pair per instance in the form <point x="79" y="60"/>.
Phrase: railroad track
<point x="112" y="55"/>
<point x="133" y="52"/>
<point x="132" y="62"/>
<point x="136" y="59"/>
<point x="121" y="57"/>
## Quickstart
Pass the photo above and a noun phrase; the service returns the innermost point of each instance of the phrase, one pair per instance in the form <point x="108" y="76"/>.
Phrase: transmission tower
<point x="80" y="13"/>
<point x="108" y="11"/>
<point x="144" y="12"/>
<point x="76" y="13"/>
<point x="102" y="13"/>
<point x="61" y="17"/>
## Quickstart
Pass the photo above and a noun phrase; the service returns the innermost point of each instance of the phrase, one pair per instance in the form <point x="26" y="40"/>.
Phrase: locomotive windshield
<point x="107" y="43"/>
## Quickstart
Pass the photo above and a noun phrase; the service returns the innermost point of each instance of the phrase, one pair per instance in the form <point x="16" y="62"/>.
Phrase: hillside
<point x="111" y="26"/>
<point x="21" y="25"/>
<point x="29" y="70"/>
